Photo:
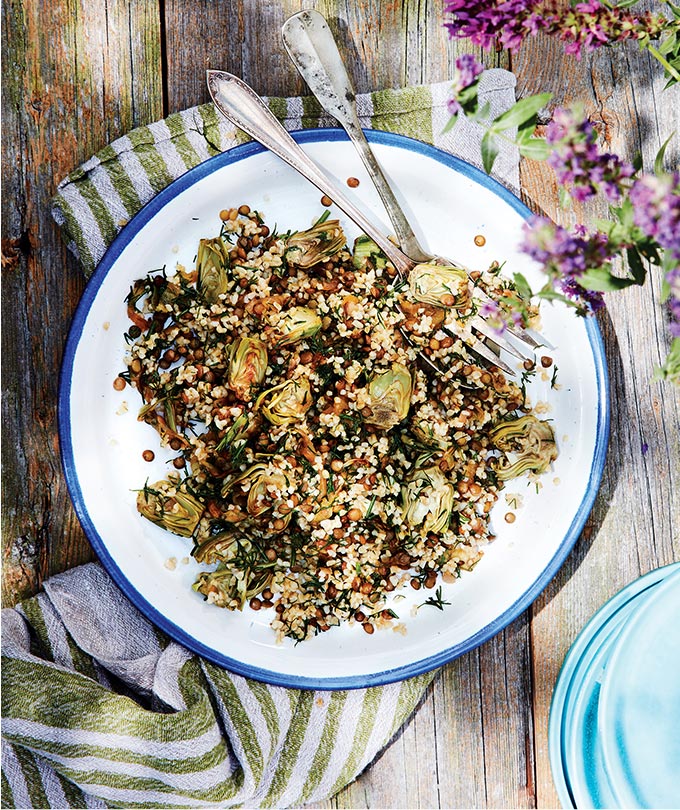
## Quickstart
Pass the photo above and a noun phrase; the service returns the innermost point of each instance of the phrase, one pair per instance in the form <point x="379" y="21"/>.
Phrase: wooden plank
<point x="384" y="44"/>
<point x="69" y="87"/>
<point x="634" y="524"/>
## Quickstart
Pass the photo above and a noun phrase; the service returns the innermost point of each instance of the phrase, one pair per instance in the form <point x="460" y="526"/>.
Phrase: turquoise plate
<point x="576" y="756"/>
<point x="639" y="706"/>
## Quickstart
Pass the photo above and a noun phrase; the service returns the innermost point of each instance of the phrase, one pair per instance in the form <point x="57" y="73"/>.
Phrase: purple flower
<point x="467" y="69"/>
<point x="467" y="72"/>
<point x="656" y="209"/>
<point x="588" y="8"/>
<point x="587" y="26"/>
<point x="566" y="256"/>
<point x="588" y="300"/>
<point x="490" y="309"/>
<point x="499" y="316"/>
<point x="577" y="161"/>
<point x="485" y="22"/>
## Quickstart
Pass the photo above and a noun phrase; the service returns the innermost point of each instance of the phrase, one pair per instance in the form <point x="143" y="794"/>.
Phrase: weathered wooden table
<point x="79" y="73"/>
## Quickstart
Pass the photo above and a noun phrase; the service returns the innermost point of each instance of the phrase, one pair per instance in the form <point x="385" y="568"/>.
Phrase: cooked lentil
<point x="325" y="468"/>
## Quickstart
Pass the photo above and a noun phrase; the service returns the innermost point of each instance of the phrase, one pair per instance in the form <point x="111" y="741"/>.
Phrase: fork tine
<point x="516" y="331"/>
<point x="479" y="347"/>
<point x="525" y="337"/>
<point x="471" y="342"/>
<point x="482" y="326"/>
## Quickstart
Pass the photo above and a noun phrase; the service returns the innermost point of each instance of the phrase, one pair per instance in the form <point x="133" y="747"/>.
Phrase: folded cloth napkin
<point x="97" y="199"/>
<point x="100" y="709"/>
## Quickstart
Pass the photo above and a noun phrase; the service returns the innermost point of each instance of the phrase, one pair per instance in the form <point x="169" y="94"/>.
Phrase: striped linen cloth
<point x="101" y="709"/>
<point x="96" y="200"/>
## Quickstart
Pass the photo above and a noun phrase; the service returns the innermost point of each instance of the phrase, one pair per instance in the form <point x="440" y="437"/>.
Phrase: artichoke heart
<point x="212" y="261"/>
<point x="296" y="323"/>
<point x="247" y="365"/>
<point x="230" y="587"/>
<point x="220" y="547"/>
<point x="428" y="500"/>
<point x="264" y="485"/>
<point x="527" y="444"/>
<point x="439" y="285"/>
<point x="169" y="506"/>
<point x="307" y="248"/>
<point x="364" y="249"/>
<point x="426" y="436"/>
<point x="389" y="397"/>
<point x="286" y="402"/>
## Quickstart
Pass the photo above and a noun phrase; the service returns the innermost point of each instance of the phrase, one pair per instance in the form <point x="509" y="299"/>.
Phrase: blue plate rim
<point x="589" y="633"/>
<point x="412" y="669"/>
<point x="611" y="741"/>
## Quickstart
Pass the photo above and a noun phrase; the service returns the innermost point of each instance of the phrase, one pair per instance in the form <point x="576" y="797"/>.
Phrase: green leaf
<point x="637" y="162"/>
<point x="624" y="213"/>
<point x="564" y="197"/>
<point x="489" y="151"/>
<point x="525" y="131"/>
<point x="522" y="286"/>
<point x="521" y="112"/>
<point x="669" y="261"/>
<point x="675" y="10"/>
<point x="481" y="114"/>
<point x="450" y="124"/>
<point x="636" y="265"/>
<point x="658" y="160"/>
<point x="548" y="293"/>
<point x="671" y="368"/>
<point x="535" y="149"/>
<point x="600" y="279"/>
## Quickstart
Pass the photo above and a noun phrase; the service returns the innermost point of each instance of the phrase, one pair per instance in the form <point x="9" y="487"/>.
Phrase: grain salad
<point x="319" y="465"/>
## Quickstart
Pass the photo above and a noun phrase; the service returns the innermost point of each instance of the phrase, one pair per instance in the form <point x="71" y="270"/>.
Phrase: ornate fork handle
<point x="246" y="110"/>
<point x="241" y="105"/>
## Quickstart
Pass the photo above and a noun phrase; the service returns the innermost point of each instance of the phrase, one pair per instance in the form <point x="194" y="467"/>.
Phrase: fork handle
<point x="314" y="51"/>
<point x="241" y="105"/>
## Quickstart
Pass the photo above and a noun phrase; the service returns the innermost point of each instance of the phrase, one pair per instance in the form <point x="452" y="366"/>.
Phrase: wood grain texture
<point x="69" y="87"/>
<point x="479" y="738"/>
<point x="634" y="525"/>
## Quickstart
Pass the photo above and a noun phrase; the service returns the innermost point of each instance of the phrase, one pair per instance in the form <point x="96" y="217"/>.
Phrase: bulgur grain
<point x="330" y="469"/>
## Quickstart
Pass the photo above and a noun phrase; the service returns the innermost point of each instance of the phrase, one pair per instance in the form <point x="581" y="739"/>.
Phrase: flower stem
<point x="667" y="65"/>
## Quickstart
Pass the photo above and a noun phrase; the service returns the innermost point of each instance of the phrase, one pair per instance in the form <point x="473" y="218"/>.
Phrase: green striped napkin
<point x="96" y="200"/>
<point x="101" y="709"/>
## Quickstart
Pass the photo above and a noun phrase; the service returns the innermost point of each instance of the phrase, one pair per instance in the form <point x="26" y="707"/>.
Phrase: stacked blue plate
<point x="615" y="717"/>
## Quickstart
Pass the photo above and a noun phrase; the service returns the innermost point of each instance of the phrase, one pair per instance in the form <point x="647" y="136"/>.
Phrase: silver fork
<point x="314" y="51"/>
<point x="241" y="105"/>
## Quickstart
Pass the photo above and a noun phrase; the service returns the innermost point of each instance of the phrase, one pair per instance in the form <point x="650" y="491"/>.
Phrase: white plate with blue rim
<point x="450" y="203"/>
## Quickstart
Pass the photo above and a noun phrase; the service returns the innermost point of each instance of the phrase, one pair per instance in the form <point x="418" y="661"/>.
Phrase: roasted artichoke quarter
<point x="296" y="323"/>
<point x="527" y="444"/>
<point x="389" y="397"/>
<point x="307" y="248"/>
<point x="212" y="261"/>
<point x="428" y="500"/>
<point x="287" y="402"/>
<point x="169" y="506"/>
<point x="439" y="285"/>
<point x="264" y="485"/>
<point x="247" y="365"/>
<point x="231" y="587"/>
